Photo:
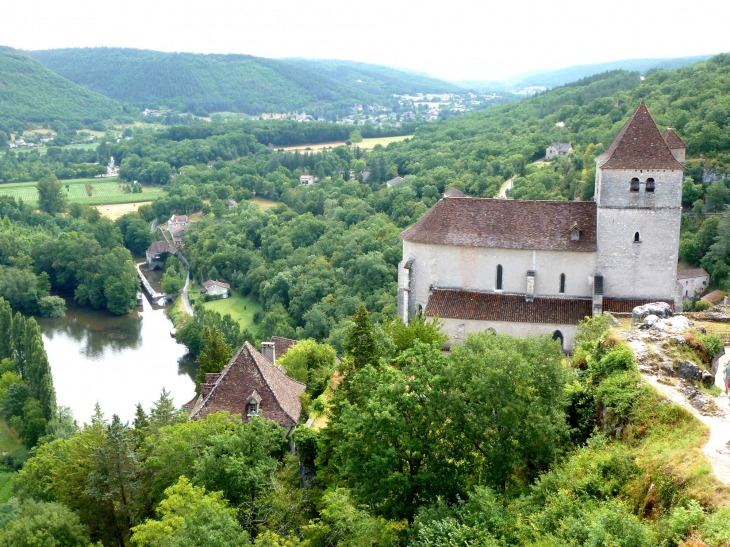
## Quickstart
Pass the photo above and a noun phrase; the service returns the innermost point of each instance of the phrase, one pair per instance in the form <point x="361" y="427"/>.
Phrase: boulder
<point x="660" y="309"/>
<point x="708" y="380"/>
<point x="719" y="317"/>
<point x="678" y="323"/>
<point x="650" y="319"/>
<point x="689" y="371"/>
<point x="699" y="401"/>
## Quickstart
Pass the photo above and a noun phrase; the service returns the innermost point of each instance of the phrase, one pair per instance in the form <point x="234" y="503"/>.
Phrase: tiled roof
<point x="691" y="273"/>
<point x="482" y="306"/>
<point x="454" y="193"/>
<point x="639" y="145"/>
<point x="284" y="389"/>
<point x="627" y="305"/>
<point x="213" y="283"/>
<point x="714" y="297"/>
<point x="158" y="247"/>
<point x="672" y="139"/>
<point x="178" y="230"/>
<point x="393" y="181"/>
<point x="507" y="224"/>
<point x="282" y="345"/>
<point x="179" y="218"/>
<point x="562" y="146"/>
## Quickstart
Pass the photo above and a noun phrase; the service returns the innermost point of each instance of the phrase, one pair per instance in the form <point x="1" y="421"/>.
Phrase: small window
<point x="499" y="277"/>
<point x="637" y="237"/>
<point x="575" y="232"/>
<point x="634" y="184"/>
<point x="562" y="283"/>
<point x="252" y="409"/>
<point x="649" y="185"/>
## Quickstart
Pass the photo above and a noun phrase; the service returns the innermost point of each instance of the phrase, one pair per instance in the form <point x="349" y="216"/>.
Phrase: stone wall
<point x="457" y="329"/>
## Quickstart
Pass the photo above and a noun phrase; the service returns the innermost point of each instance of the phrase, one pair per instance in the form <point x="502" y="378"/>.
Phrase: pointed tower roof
<point x="639" y="145"/>
<point x="672" y="139"/>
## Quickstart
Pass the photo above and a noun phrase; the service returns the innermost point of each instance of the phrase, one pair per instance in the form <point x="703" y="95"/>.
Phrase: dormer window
<point x="253" y="404"/>
<point x="253" y="409"/>
<point x="634" y="184"/>
<point x="575" y="232"/>
<point x="649" y="185"/>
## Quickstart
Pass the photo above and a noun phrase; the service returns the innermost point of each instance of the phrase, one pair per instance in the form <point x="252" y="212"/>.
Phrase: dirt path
<point x="716" y="449"/>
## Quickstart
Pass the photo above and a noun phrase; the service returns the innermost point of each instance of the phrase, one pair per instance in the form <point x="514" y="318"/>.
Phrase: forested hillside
<point x="241" y="83"/>
<point x="30" y="92"/>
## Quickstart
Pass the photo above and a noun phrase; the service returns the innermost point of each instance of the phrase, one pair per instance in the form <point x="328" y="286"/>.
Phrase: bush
<point x="52" y="306"/>
<point x="701" y="305"/>
<point x="683" y="520"/>
<point x="619" y="359"/>
<point x="715" y="531"/>
<point x="713" y="344"/>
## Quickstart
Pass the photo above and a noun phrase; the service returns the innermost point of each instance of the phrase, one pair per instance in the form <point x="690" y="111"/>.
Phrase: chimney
<point x="530" y="292"/>
<point x="268" y="350"/>
<point x="597" y="294"/>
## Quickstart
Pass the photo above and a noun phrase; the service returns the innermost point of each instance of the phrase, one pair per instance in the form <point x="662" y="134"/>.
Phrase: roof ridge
<point x="223" y="373"/>
<point x="255" y="354"/>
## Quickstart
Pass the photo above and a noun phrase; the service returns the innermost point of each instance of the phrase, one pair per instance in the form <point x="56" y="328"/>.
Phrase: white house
<point x="393" y="181"/>
<point x="306" y="179"/>
<point x="177" y="226"/>
<point x="213" y="288"/>
<point x="692" y="282"/>
<point x="558" y="150"/>
<point x="540" y="267"/>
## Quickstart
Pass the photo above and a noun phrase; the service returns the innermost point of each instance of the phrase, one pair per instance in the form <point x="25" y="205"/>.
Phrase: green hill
<point x="30" y="92"/>
<point x="242" y="83"/>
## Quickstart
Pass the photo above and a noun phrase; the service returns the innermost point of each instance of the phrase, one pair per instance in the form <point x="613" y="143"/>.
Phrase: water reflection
<point x="118" y="361"/>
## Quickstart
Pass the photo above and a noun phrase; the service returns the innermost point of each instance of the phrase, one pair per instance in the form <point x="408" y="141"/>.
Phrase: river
<point x="115" y="360"/>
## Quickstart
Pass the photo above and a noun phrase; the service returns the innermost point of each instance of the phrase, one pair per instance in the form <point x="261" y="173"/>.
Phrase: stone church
<point x="534" y="267"/>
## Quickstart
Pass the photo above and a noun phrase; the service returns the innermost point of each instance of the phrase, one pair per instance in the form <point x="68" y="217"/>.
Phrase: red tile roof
<point x="639" y="145"/>
<point x="158" y="247"/>
<point x="507" y="224"/>
<point x="482" y="306"/>
<point x="213" y="283"/>
<point x="282" y="345"/>
<point x="692" y="273"/>
<point x="627" y="305"/>
<point x="714" y="297"/>
<point x="672" y="139"/>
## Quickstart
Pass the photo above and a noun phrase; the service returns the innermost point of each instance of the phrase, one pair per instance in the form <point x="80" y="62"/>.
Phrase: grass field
<point x="116" y="210"/>
<point x="366" y="144"/>
<point x="103" y="191"/>
<point x="8" y="439"/>
<point x="263" y="202"/>
<point x="240" y="307"/>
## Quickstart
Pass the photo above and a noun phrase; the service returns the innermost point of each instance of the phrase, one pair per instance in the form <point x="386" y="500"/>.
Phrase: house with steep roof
<point x="216" y="288"/>
<point x="539" y="267"/>
<point x="155" y="254"/>
<point x="251" y="385"/>
<point x="558" y="150"/>
<point x="693" y="281"/>
<point x="392" y="182"/>
<point x="177" y="225"/>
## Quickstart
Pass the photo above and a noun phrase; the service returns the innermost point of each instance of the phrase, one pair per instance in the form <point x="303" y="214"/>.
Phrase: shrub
<point x="683" y="520"/>
<point x="712" y="342"/>
<point x="620" y="358"/>
<point x="701" y="305"/>
<point x="715" y="531"/>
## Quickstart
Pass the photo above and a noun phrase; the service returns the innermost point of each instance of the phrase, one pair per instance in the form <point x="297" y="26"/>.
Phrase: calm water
<point x="118" y="361"/>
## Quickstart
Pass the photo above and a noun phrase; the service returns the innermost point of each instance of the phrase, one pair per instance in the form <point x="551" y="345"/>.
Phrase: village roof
<point x="232" y="202"/>
<point x="562" y="146"/>
<point x="158" y="247"/>
<point x="213" y="283"/>
<point x="714" y="297"/>
<point x="454" y="193"/>
<point x="672" y="139"/>
<point x="692" y="273"/>
<point x="507" y="224"/>
<point x="285" y="390"/>
<point x="489" y="306"/>
<point x="393" y="181"/>
<point x="282" y="345"/>
<point x="179" y="218"/>
<point x="639" y="145"/>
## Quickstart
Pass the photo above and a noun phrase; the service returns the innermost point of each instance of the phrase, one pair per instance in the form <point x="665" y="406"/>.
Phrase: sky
<point x="454" y="39"/>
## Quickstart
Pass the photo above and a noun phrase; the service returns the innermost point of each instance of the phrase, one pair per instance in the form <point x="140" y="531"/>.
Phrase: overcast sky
<point x="454" y="39"/>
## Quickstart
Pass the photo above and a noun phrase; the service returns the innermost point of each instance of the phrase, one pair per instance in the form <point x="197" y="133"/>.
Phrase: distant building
<point x="558" y="149"/>
<point x="252" y="386"/>
<point x="177" y="226"/>
<point x="155" y="254"/>
<point x="215" y="288"/>
<point x="46" y="139"/>
<point x="306" y="179"/>
<point x="714" y="297"/>
<point x="393" y="182"/>
<point x="210" y="164"/>
<point x="232" y="204"/>
<point x="692" y="282"/>
<point x="364" y="174"/>
<point x="454" y="193"/>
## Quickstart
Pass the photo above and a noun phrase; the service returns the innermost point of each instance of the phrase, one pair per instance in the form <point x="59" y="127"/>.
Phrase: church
<point x="539" y="267"/>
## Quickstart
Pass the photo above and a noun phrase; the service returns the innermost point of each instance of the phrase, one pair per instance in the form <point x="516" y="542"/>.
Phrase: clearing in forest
<point x="116" y="210"/>
<point x="366" y="144"/>
<point x="95" y="191"/>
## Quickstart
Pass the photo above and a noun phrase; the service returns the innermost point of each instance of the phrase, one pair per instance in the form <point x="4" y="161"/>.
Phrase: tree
<point x="190" y="516"/>
<point x="717" y="195"/>
<point x="6" y="322"/>
<point x="171" y="283"/>
<point x="355" y="137"/>
<point x="52" y="306"/>
<point x="691" y="192"/>
<point x="310" y="363"/>
<point x="361" y="345"/>
<point x="51" y="197"/>
<point x="215" y="355"/>
<point x="42" y="524"/>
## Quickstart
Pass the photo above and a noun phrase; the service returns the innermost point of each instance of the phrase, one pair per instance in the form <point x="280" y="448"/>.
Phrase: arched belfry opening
<point x="634" y="185"/>
<point x="557" y="335"/>
<point x="650" y="185"/>
<point x="637" y="237"/>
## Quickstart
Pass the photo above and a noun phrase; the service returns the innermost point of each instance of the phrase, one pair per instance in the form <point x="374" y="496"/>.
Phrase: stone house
<point x="714" y="297"/>
<point x="177" y="225"/>
<point x="155" y="254"/>
<point x="250" y="385"/>
<point x="394" y="181"/>
<point x="215" y="288"/>
<point x="692" y="282"/>
<point x="231" y="204"/>
<point x="306" y="179"/>
<point x="558" y="150"/>
<point x="540" y="267"/>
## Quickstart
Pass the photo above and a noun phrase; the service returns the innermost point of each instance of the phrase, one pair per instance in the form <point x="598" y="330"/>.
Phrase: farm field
<point x="264" y="203"/>
<point x="103" y="191"/>
<point x="366" y="144"/>
<point x="116" y="210"/>
<point x="89" y="146"/>
<point x="241" y="308"/>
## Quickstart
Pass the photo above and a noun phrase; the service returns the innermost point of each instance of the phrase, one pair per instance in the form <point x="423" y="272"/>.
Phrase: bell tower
<point x="639" y="197"/>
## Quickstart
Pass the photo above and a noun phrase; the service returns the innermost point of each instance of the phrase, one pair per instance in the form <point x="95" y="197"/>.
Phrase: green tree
<point x="52" y="306"/>
<point x="51" y="196"/>
<point x="361" y="346"/>
<point x="311" y="363"/>
<point x="6" y="322"/>
<point x="355" y="137"/>
<point x="717" y="195"/>
<point x="42" y="524"/>
<point x="691" y="192"/>
<point x="215" y="355"/>
<point x="171" y="283"/>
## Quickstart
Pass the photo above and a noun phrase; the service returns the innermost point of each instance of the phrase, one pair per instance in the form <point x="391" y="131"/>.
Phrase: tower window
<point x="634" y="184"/>
<point x="575" y="232"/>
<point x="562" y="283"/>
<point x="637" y="237"/>
<point x="649" y="185"/>
<point x="499" y="277"/>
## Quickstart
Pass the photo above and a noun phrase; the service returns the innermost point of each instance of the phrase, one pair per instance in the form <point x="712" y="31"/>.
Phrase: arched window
<point x="557" y="335"/>
<point x="499" y="277"/>
<point x="634" y="184"/>
<point x="649" y="185"/>
<point x="637" y="237"/>
<point x="490" y="330"/>
<point x="562" y="283"/>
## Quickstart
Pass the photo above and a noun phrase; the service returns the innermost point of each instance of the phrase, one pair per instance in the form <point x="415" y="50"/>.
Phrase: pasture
<point x="366" y="144"/>
<point x="103" y="191"/>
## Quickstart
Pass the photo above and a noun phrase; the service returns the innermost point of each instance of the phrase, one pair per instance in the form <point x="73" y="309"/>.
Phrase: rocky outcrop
<point x="660" y="310"/>
<point x="689" y="371"/>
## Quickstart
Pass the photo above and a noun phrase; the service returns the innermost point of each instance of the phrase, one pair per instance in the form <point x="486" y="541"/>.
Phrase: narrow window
<point x="499" y="277"/>
<point x="634" y="184"/>
<point x="649" y="185"/>
<point x="637" y="238"/>
<point x="252" y="408"/>
<point x="562" y="283"/>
